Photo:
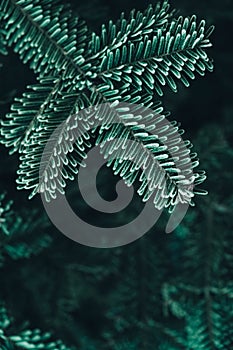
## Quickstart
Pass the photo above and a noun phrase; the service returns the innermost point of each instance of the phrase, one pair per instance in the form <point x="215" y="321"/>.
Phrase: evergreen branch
<point x="19" y="233"/>
<point x="45" y="34"/>
<point x="62" y="149"/>
<point x="3" y="50"/>
<point x="26" y="339"/>
<point x="149" y="152"/>
<point x="26" y="112"/>
<point x="174" y="54"/>
<point x="128" y="30"/>
<point x="5" y="215"/>
<point x="51" y="45"/>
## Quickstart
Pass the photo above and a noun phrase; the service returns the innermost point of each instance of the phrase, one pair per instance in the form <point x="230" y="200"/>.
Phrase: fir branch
<point x="110" y="70"/>
<point x="38" y="30"/>
<point x="19" y="237"/>
<point x="25" y="339"/>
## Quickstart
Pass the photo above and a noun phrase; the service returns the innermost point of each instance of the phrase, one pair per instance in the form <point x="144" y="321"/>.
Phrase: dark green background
<point x="98" y="299"/>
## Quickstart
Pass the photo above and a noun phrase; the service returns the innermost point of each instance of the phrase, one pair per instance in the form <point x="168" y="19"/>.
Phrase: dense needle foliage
<point x="165" y="292"/>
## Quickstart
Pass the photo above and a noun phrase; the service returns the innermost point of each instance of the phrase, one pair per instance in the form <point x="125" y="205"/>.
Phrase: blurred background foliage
<point x="161" y="292"/>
